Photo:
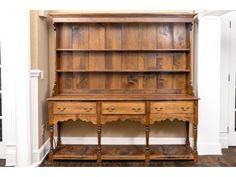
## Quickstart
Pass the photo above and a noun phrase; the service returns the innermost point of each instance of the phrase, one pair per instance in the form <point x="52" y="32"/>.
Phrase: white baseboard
<point x="40" y="154"/>
<point x="224" y="140"/>
<point x="122" y="140"/>
<point x="203" y="148"/>
<point x="209" y="149"/>
<point x="2" y="150"/>
<point x="11" y="155"/>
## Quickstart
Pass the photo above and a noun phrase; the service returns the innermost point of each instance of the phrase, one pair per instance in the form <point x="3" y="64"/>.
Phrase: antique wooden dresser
<point x="113" y="67"/>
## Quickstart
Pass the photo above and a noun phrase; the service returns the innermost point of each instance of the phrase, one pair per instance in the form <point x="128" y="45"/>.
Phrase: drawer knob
<point x="110" y="109"/>
<point x="61" y="109"/>
<point x="88" y="109"/>
<point x="158" y="109"/>
<point x="185" y="108"/>
<point x="136" y="109"/>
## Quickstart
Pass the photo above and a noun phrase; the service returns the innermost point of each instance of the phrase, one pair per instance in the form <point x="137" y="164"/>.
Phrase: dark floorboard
<point x="226" y="160"/>
<point x="2" y="162"/>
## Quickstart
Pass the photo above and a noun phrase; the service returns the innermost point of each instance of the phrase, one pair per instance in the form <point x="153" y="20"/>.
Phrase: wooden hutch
<point x="113" y="67"/>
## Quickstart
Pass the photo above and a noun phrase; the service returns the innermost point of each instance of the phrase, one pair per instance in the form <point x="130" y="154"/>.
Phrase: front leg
<point x="51" y="143"/>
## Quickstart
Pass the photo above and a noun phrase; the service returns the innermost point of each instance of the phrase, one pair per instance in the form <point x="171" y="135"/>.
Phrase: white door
<point x="232" y="81"/>
<point x="228" y="80"/>
<point x="2" y="141"/>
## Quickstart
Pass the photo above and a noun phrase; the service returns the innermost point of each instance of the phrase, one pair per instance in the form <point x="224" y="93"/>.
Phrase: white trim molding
<point x="203" y="148"/>
<point x="209" y="149"/>
<point x="11" y="155"/>
<point x="209" y="84"/>
<point x="123" y="140"/>
<point x="37" y="154"/>
<point x="34" y="74"/>
<point x="224" y="140"/>
<point x="40" y="154"/>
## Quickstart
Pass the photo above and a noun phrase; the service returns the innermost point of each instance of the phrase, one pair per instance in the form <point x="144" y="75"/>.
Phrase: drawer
<point x="172" y="107"/>
<point x="74" y="108"/>
<point x="123" y="108"/>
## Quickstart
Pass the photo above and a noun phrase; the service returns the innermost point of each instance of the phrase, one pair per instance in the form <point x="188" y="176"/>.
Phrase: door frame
<point x="228" y="80"/>
<point x="232" y="80"/>
<point x="2" y="143"/>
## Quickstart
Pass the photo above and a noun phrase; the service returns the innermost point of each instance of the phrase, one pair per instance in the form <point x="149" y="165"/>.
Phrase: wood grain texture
<point x="112" y="67"/>
<point x="165" y="116"/>
<point x="74" y="108"/>
<point x="123" y="152"/>
<point x="180" y="107"/>
<point x="123" y="108"/>
<point x="113" y="118"/>
<point x="102" y="48"/>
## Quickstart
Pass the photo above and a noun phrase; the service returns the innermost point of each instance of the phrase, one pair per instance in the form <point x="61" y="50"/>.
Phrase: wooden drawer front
<point x="172" y="107"/>
<point x="123" y="108"/>
<point x="74" y="108"/>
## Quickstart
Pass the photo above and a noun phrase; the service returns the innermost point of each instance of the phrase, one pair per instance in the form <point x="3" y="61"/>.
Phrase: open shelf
<point x="124" y="71"/>
<point x="124" y="152"/>
<point x="123" y="50"/>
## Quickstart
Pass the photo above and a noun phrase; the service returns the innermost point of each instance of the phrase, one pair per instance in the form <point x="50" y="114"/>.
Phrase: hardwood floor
<point x="226" y="160"/>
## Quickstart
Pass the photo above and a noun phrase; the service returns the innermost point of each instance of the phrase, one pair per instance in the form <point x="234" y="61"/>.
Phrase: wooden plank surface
<point x="124" y="152"/>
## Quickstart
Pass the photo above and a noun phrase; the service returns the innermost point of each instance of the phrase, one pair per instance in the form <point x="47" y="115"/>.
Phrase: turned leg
<point x="187" y="133"/>
<point x="99" y="160"/>
<point x="195" y="124"/>
<point x="195" y="153"/>
<point x="147" y="153"/>
<point x="147" y="130"/>
<point x="58" y="133"/>
<point x="51" y="143"/>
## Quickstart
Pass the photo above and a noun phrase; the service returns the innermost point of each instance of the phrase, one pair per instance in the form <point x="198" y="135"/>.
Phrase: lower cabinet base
<point x="123" y="152"/>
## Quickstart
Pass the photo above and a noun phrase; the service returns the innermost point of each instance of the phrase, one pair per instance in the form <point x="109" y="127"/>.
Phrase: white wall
<point x="209" y="85"/>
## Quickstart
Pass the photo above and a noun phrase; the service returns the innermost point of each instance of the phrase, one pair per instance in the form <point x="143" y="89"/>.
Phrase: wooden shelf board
<point x="171" y="152"/>
<point x="123" y="97"/>
<point x="123" y="152"/>
<point x="124" y="71"/>
<point x="73" y="152"/>
<point x="122" y="50"/>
